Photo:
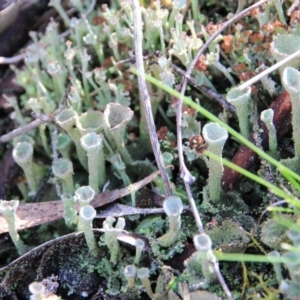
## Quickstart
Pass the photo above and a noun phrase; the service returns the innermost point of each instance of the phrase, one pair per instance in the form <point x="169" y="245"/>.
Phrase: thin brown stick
<point x="22" y="130"/>
<point x="145" y="95"/>
<point x="184" y="172"/>
<point x="205" y="90"/>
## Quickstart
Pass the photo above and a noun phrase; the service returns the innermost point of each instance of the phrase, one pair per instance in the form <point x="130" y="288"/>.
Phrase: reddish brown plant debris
<point x="245" y="157"/>
<point x="256" y="37"/>
<point x="268" y="28"/>
<point x="254" y="89"/>
<point x="128" y="85"/>
<point x="98" y="20"/>
<point x="107" y="63"/>
<point x="295" y="17"/>
<point x="201" y="64"/>
<point x="162" y="133"/>
<point x="189" y="110"/>
<point x="197" y="143"/>
<point x="240" y="67"/>
<point x="211" y="28"/>
<point x="247" y="75"/>
<point x="227" y="44"/>
<point x="278" y="25"/>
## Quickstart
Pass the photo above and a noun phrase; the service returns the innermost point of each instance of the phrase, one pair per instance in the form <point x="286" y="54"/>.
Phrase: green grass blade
<point x="213" y="118"/>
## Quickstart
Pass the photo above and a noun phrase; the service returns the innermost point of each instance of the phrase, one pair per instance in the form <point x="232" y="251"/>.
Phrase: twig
<point x="194" y="208"/>
<point x="205" y="90"/>
<point x="33" y="214"/>
<point x="55" y="156"/>
<point x="11" y="60"/>
<point x="269" y="70"/>
<point x="90" y="9"/>
<point x="22" y="130"/>
<point x="120" y="210"/>
<point x="145" y="95"/>
<point x="184" y="172"/>
<point x="221" y="280"/>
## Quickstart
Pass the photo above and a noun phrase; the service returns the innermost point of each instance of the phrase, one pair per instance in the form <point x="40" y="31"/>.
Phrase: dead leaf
<point x="33" y="214"/>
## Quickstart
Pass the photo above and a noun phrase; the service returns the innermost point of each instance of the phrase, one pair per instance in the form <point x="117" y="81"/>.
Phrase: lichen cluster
<point x="78" y="78"/>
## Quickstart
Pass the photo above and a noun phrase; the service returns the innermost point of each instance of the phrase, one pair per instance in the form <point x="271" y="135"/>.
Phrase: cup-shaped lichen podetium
<point x="291" y="82"/>
<point x="87" y="214"/>
<point x="63" y="144"/>
<point x="240" y="100"/>
<point x="84" y="195"/>
<point x="23" y="156"/>
<point x="116" y="117"/>
<point x="37" y="289"/>
<point x="130" y="273"/>
<point x="90" y="121"/>
<point x="284" y="45"/>
<point x="203" y="244"/>
<point x="92" y="143"/>
<point x="215" y="136"/>
<point x="8" y="210"/>
<point x="173" y="208"/>
<point x="143" y="274"/>
<point x="70" y="214"/>
<point x="111" y="234"/>
<point x="267" y="117"/>
<point x="63" y="169"/>
<point x="66" y="119"/>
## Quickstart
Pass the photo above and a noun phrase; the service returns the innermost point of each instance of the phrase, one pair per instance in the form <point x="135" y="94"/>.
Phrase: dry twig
<point x="185" y="173"/>
<point x="33" y="214"/>
<point x="145" y="95"/>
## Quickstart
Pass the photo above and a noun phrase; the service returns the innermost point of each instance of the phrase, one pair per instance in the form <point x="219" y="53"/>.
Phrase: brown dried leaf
<point x="33" y="214"/>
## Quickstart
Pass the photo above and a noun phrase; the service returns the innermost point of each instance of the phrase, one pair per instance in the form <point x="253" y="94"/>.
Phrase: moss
<point x="151" y="226"/>
<point x="273" y="233"/>
<point x="229" y="236"/>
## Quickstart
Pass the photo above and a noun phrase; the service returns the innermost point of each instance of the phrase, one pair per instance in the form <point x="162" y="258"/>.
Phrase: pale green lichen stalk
<point x="64" y="145"/>
<point x="284" y="45"/>
<point x="37" y="289"/>
<point x="143" y="275"/>
<point x="84" y="195"/>
<point x="66" y="119"/>
<point x="116" y="117"/>
<point x="173" y="208"/>
<point x="277" y="266"/>
<point x="291" y="82"/>
<point x="240" y="100"/>
<point x="93" y="145"/>
<point x="130" y="273"/>
<point x="63" y="169"/>
<point x="203" y="245"/>
<point x="90" y="121"/>
<point x="267" y="117"/>
<point x="23" y="156"/>
<point x="70" y="214"/>
<point x="87" y="214"/>
<point x="139" y="246"/>
<point x="215" y="136"/>
<point x="8" y="210"/>
<point x="111" y="234"/>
